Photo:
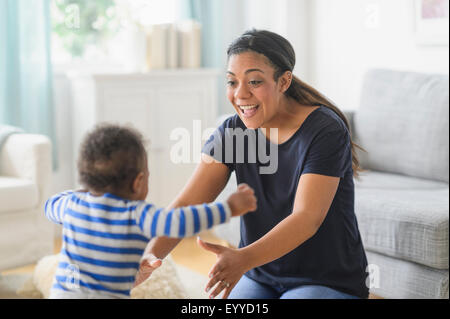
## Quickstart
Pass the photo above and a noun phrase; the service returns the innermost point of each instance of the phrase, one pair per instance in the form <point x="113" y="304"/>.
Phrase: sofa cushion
<point x="404" y="217"/>
<point x="393" y="278"/>
<point x="17" y="194"/>
<point x="403" y="123"/>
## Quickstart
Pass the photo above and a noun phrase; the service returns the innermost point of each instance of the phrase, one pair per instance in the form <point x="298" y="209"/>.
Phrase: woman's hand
<point x="148" y="264"/>
<point x="227" y="271"/>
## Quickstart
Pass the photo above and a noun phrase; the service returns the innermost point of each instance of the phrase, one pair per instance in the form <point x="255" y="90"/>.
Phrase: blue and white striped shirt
<point x="104" y="237"/>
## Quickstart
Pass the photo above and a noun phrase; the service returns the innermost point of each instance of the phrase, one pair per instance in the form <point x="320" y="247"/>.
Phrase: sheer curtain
<point x="209" y="14"/>
<point x="26" y="98"/>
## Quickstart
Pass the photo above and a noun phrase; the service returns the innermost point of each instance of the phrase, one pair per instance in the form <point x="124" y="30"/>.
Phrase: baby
<point x="107" y="226"/>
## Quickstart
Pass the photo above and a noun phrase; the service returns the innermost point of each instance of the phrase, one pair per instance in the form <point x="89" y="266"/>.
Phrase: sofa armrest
<point x="28" y="156"/>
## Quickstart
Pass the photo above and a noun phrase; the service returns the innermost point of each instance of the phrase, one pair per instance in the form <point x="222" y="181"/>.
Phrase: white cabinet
<point x="156" y="103"/>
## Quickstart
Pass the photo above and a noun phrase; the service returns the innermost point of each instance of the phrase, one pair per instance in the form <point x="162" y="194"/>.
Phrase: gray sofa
<point x="402" y="197"/>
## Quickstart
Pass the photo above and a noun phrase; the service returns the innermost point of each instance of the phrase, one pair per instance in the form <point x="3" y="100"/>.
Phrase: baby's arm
<point x="187" y="221"/>
<point x="56" y="206"/>
<point x="180" y="222"/>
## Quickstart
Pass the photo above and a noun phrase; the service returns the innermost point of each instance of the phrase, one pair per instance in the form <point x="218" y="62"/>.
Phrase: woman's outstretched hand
<point x="148" y="264"/>
<point x="226" y="272"/>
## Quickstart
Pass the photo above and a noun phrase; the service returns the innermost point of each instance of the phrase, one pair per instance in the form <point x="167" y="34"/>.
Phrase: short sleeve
<point x="329" y="154"/>
<point x="216" y="145"/>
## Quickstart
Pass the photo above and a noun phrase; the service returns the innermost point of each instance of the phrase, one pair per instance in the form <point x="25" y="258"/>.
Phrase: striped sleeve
<point x="56" y="205"/>
<point x="180" y="222"/>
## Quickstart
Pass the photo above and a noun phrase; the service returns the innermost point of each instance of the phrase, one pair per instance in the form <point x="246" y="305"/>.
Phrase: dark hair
<point x="111" y="156"/>
<point x="281" y="56"/>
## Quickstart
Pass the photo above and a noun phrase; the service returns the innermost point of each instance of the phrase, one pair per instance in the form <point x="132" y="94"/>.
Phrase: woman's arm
<point x="313" y="199"/>
<point x="206" y="183"/>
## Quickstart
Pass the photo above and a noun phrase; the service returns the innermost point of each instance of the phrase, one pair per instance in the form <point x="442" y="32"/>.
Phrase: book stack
<point x="174" y="45"/>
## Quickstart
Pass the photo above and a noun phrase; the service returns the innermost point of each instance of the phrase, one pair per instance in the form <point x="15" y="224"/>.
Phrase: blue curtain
<point x="209" y="14"/>
<point x="26" y="98"/>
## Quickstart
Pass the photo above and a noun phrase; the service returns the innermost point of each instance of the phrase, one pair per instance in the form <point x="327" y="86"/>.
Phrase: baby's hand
<point x="242" y="201"/>
<point x="147" y="265"/>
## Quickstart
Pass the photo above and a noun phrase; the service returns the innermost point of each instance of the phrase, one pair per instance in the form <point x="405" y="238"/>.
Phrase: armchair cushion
<point x="17" y="194"/>
<point x="28" y="156"/>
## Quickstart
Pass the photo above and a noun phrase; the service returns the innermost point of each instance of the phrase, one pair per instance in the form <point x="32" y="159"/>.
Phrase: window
<point x="84" y="31"/>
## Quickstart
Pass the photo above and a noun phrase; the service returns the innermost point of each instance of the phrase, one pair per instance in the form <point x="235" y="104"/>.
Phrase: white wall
<point x="350" y="36"/>
<point x="289" y="18"/>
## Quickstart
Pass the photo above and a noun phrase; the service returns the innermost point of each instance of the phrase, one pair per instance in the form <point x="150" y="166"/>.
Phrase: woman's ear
<point x="138" y="182"/>
<point x="285" y="81"/>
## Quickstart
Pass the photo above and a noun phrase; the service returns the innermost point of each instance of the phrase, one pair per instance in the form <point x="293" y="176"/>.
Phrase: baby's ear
<point x="138" y="182"/>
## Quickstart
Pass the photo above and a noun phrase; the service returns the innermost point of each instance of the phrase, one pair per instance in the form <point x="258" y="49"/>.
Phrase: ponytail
<point x="307" y="95"/>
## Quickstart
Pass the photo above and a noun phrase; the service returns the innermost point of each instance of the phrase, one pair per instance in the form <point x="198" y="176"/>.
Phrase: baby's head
<point x="113" y="160"/>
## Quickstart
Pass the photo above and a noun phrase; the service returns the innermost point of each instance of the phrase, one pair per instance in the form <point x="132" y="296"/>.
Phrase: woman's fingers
<point x="214" y="270"/>
<point x="217" y="249"/>
<point x="227" y="292"/>
<point x="221" y="285"/>
<point x="212" y="282"/>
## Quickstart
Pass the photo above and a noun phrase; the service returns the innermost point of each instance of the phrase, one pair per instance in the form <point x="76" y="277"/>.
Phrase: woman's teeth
<point x="248" y="107"/>
<point x="248" y="110"/>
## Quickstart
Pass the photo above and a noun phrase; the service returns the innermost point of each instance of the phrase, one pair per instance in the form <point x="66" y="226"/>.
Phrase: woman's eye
<point x="255" y="82"/>
<point x="230" y="83"/>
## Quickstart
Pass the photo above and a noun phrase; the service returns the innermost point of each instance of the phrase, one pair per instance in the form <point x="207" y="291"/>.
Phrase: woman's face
<point x="252" y="90"/>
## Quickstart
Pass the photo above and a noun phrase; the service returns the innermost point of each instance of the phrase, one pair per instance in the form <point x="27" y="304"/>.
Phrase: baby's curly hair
<point x="111" y="156"/>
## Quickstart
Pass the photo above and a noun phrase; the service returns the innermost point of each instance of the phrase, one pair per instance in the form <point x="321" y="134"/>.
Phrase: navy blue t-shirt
<point x="334" y="256"/>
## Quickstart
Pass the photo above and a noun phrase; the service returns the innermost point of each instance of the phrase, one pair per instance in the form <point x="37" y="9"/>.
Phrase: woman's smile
<point x="248" y="111"/>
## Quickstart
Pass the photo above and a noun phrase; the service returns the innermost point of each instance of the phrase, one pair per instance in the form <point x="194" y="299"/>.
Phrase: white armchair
<point x="25" y="179"/>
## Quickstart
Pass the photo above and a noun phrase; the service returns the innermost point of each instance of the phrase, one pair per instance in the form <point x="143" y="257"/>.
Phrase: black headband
<point x="266" y="46"/>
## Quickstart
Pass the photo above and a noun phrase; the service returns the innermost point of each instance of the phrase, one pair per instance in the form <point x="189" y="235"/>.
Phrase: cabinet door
<point x="133" y="104"/>
<point x="127" y="106"/>
<point x="181" y="113"/>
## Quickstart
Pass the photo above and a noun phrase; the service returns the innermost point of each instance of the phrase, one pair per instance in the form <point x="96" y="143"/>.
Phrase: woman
<point x="303" y="240"/>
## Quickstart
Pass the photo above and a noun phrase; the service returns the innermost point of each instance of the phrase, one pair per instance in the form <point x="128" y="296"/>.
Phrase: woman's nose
<point x="242" y="92"/>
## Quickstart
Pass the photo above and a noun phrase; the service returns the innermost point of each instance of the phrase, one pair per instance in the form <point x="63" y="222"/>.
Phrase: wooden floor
<point x="192" y="256"/>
